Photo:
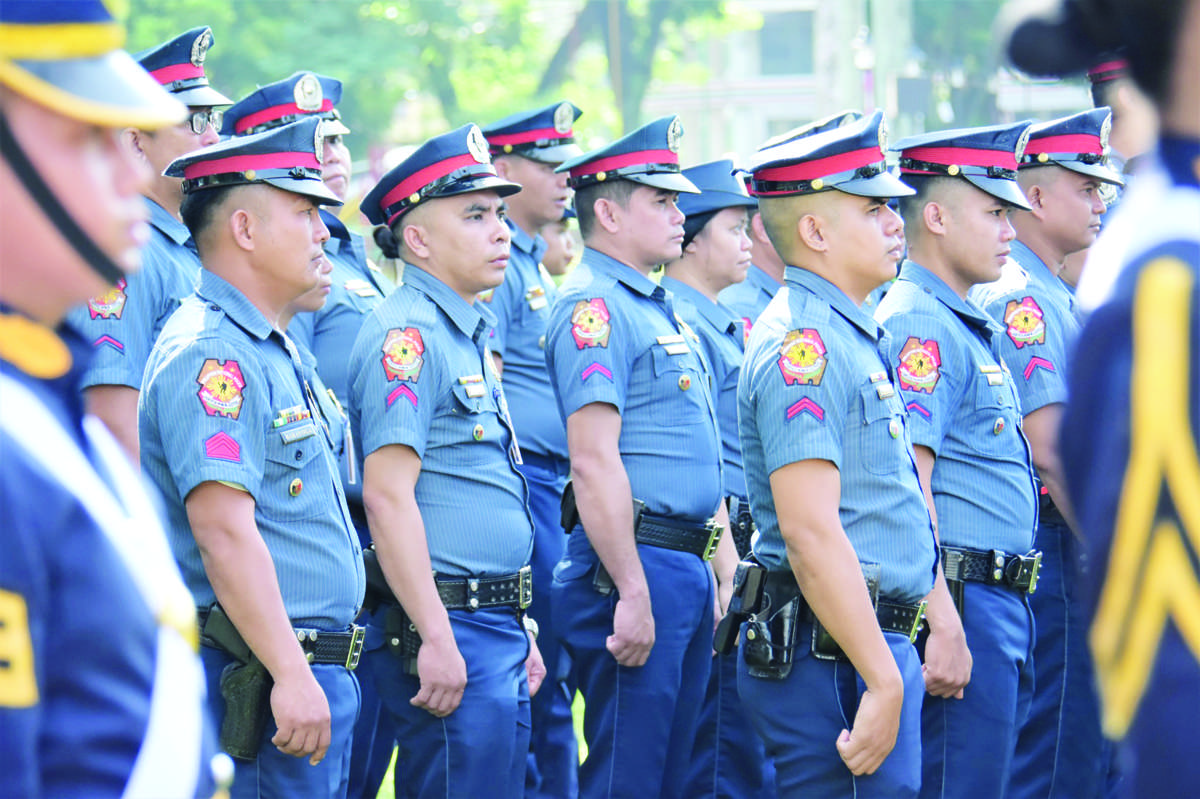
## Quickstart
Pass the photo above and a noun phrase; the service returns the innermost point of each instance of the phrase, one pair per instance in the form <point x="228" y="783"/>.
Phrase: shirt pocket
<point x="995" y="420"/>
<point x="881" y="441"/>
<point x="296" y="478"/>
<point x="679" y="385"/>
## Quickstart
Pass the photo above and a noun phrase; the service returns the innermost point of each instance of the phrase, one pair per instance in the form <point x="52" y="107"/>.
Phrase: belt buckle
<point x="1033" y="570"/>
<point x="918" y="622"/>
<point x="357" y="634"/>
<point x="525" y="587"/>
<point x="714" y="538"/>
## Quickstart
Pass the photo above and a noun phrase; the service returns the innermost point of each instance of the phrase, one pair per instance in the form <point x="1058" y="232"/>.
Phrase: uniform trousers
<point x="730" y="760"/>
<point x="639" y="722"/>
<point x="968" y="743"/>
<point x="375" y="731"/>
<point x="480" y="749"/>
<point x="275" y="775"/>
<point x="553" y="769"/>
<point x="801" y="717"/>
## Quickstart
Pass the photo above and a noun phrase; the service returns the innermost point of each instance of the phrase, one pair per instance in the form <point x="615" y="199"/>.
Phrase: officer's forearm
<point x="1041" y="429"/>
<point x="242" y="575"/>
<point x="724" y="562"/>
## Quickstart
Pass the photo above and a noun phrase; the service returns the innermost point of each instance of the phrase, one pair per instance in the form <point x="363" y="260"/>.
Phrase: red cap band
<point x="174" y="72"/>
<point x="962" y="156"/>
<point x="821" y="167"/>
<point x="422" y="178"/>
<point x="275" y="112"/>
<point x="624" y="160"/>
<point x="240" y="163"/>
<point x="1066" y="143"/>
<point x="498" y="140"/>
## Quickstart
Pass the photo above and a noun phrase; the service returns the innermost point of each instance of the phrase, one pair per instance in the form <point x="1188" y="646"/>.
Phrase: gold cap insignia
<point x="477" y="145"/>
<point x="1022" y="143"/>
<point x="674" y="135"/>
<point x="319" y="142"/>
<point x="308" y="94"/>
<point x="564" y="117"/>
<point x="1105" y="129"/>
<point x="200" y="47"/>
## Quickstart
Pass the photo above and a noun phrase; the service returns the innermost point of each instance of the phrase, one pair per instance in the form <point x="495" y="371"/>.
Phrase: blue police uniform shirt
<point x="82" y="581"/>
<point x="749" y="298"/>
<point x="721" y="336"/>
<point x="962" y="405"/>
<point x="614" y="338"/>
<point x="225" y="399"/>
<point x="123" y="323"/>
<point x="423" y="377"/>
<point x="521" y="305"/>
<point x="1041" y="323"/>
<point x="815" y="385"/>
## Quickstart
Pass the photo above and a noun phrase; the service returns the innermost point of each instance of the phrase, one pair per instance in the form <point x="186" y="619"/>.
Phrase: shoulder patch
<point x="802" y="357"/>
<point x="221" y="387"/>
<point x="1025" y="322"/>
<point x="110" y="304"/>
<point x="403" y="354"/>
<point x="590" y="323"/>
<point x="746" y="325"/>
<point x="919" y="365"/>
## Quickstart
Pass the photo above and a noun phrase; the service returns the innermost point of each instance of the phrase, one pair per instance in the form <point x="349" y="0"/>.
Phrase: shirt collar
<point x="533" y="246"/>
<point x="714" y="313"/>
<point x="601" y="264"/>
<point x="235" y="305"/>
<point x="471" y="319"/>
<point x="968" y="311"/>
<point x="168" y="225"/>
<point x="835" y="297"/>
<point x="337" y="230"/>
<point x="759" y="278"/>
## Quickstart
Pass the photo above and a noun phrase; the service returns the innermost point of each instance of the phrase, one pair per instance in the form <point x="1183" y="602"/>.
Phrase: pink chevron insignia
<point x="806" y="405"/>
<point x="110" y="341"/>
<point x="1037" y="362"/>
<point x="919" y="408"/>
<point x="595" y="368"/>
<point x="399" y="391"/>
<point x="223" y="447"/>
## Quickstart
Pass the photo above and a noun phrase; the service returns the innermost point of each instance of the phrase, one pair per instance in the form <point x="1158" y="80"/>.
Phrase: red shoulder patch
<point x="221" y="387"/>
<point x="919" y="365"/>
<point x="1026" y="322"/>
<point x="802" y="357"/>
<point x="590" y="323"/>
<point x="403" y="354"/>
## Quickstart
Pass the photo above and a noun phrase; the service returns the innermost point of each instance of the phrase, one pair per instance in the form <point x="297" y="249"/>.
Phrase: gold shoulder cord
<point x="1150" y="577"/>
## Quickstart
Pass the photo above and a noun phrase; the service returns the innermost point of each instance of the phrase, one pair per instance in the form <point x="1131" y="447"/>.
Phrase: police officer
<point x="1063" y="172"/>
<point x="326" y="334"/>
<point x="831" y="683"/>
<point x="101" y="689"/>
<point x="526" y="147"/>
<point x="634" y="593"/>
<point x="122" y="323"/>
<point x="234" y="437"/>
<point x="728" y="759"/>
<point x="560" y="252"/>
<point x="441" y="487"/>
<point x="749" y="298"/>
<point x="974" y="463"/>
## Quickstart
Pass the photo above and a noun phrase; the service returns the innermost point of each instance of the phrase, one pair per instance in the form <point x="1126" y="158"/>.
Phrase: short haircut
<point x="929" y="188"/>
<point x="618" y="191"/>
<point x="199" y="210"/>
<point x="779" y="217"/>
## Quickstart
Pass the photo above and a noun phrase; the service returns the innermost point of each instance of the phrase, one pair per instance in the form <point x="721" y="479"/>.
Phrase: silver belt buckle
<point x="356" y="644"/>
<point x="525" y="580"/>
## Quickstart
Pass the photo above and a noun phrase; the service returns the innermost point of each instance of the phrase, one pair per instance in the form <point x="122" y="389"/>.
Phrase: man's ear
<point x="812" y="231"/>
<point x="243" y="225"/>
<point x="416" y="239"/>
<point x="934" y="217"/>
<point x="608" y="214"/>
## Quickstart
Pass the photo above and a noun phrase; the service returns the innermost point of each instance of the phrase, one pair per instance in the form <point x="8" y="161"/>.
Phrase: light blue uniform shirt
<point x="1041" y="323"/>
<point x="422" y="376"/>
<point x="962" y="404"/>
<point x="614" y="337"/>
<point x="721" y="336"/>
<point x="749" y="298"/>
<point x="815" y="385"/>
<point x="225" y="399"/>
<point x="522" y="308"/>
<point x="123" y="324"/>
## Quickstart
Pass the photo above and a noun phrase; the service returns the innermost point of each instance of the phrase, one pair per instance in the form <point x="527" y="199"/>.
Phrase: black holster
<point x="744" y="602"/>
<point x="770" y="641"/>
<point x="245" y="688"/>
<point x="403" y="640"/>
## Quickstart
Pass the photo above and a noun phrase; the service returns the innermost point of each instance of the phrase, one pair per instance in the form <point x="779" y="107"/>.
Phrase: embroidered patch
<point x="594" y="369"/>
<point x="589" y="323"/>
<point x="746" y="325"/>
<point x="222" y="447"/>
<point x="1025" y="321"/>
<point x="919" y="364"/>
<point x="402" y="390"/>
<point x="110" y="304"/>
<point x="403" y="352"/>
<point x="806" y="405"/>
<point x="221" y="387"/>
<point x="1037" y="363"/>
<point x="108" y="341"/>
<point x="802" y="357"/>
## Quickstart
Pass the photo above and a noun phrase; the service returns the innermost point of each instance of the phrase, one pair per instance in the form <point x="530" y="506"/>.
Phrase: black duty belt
<point x="741" y="525"/>
<point x="473" y="593"/>
<point x="1016" y="572"/>
<point x="336" y="648"/>
<point x="895" y="617"/>
<point x="699" y="539"/>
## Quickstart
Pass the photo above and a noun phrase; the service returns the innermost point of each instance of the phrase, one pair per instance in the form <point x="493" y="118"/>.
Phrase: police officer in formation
<point x="123" y="323"/>
<point x="447" y="507"/>
<point x="101" y="688"/>
<point x="526" y="148"/>
<point x="973" y="460"/>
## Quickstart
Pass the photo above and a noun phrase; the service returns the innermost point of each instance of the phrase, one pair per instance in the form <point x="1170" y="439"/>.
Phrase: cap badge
<point x="319" y="142"/>
<point x="674" y="135"/>
<point x="883" y="134"/>
<point x="200" y="47"/>
<point x="477" y="145"/>
<point x="307" y="93"/>
<point x="564" y="117"/>
<point x="1022" y="143"/>
<point x="1105" y="129"/>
